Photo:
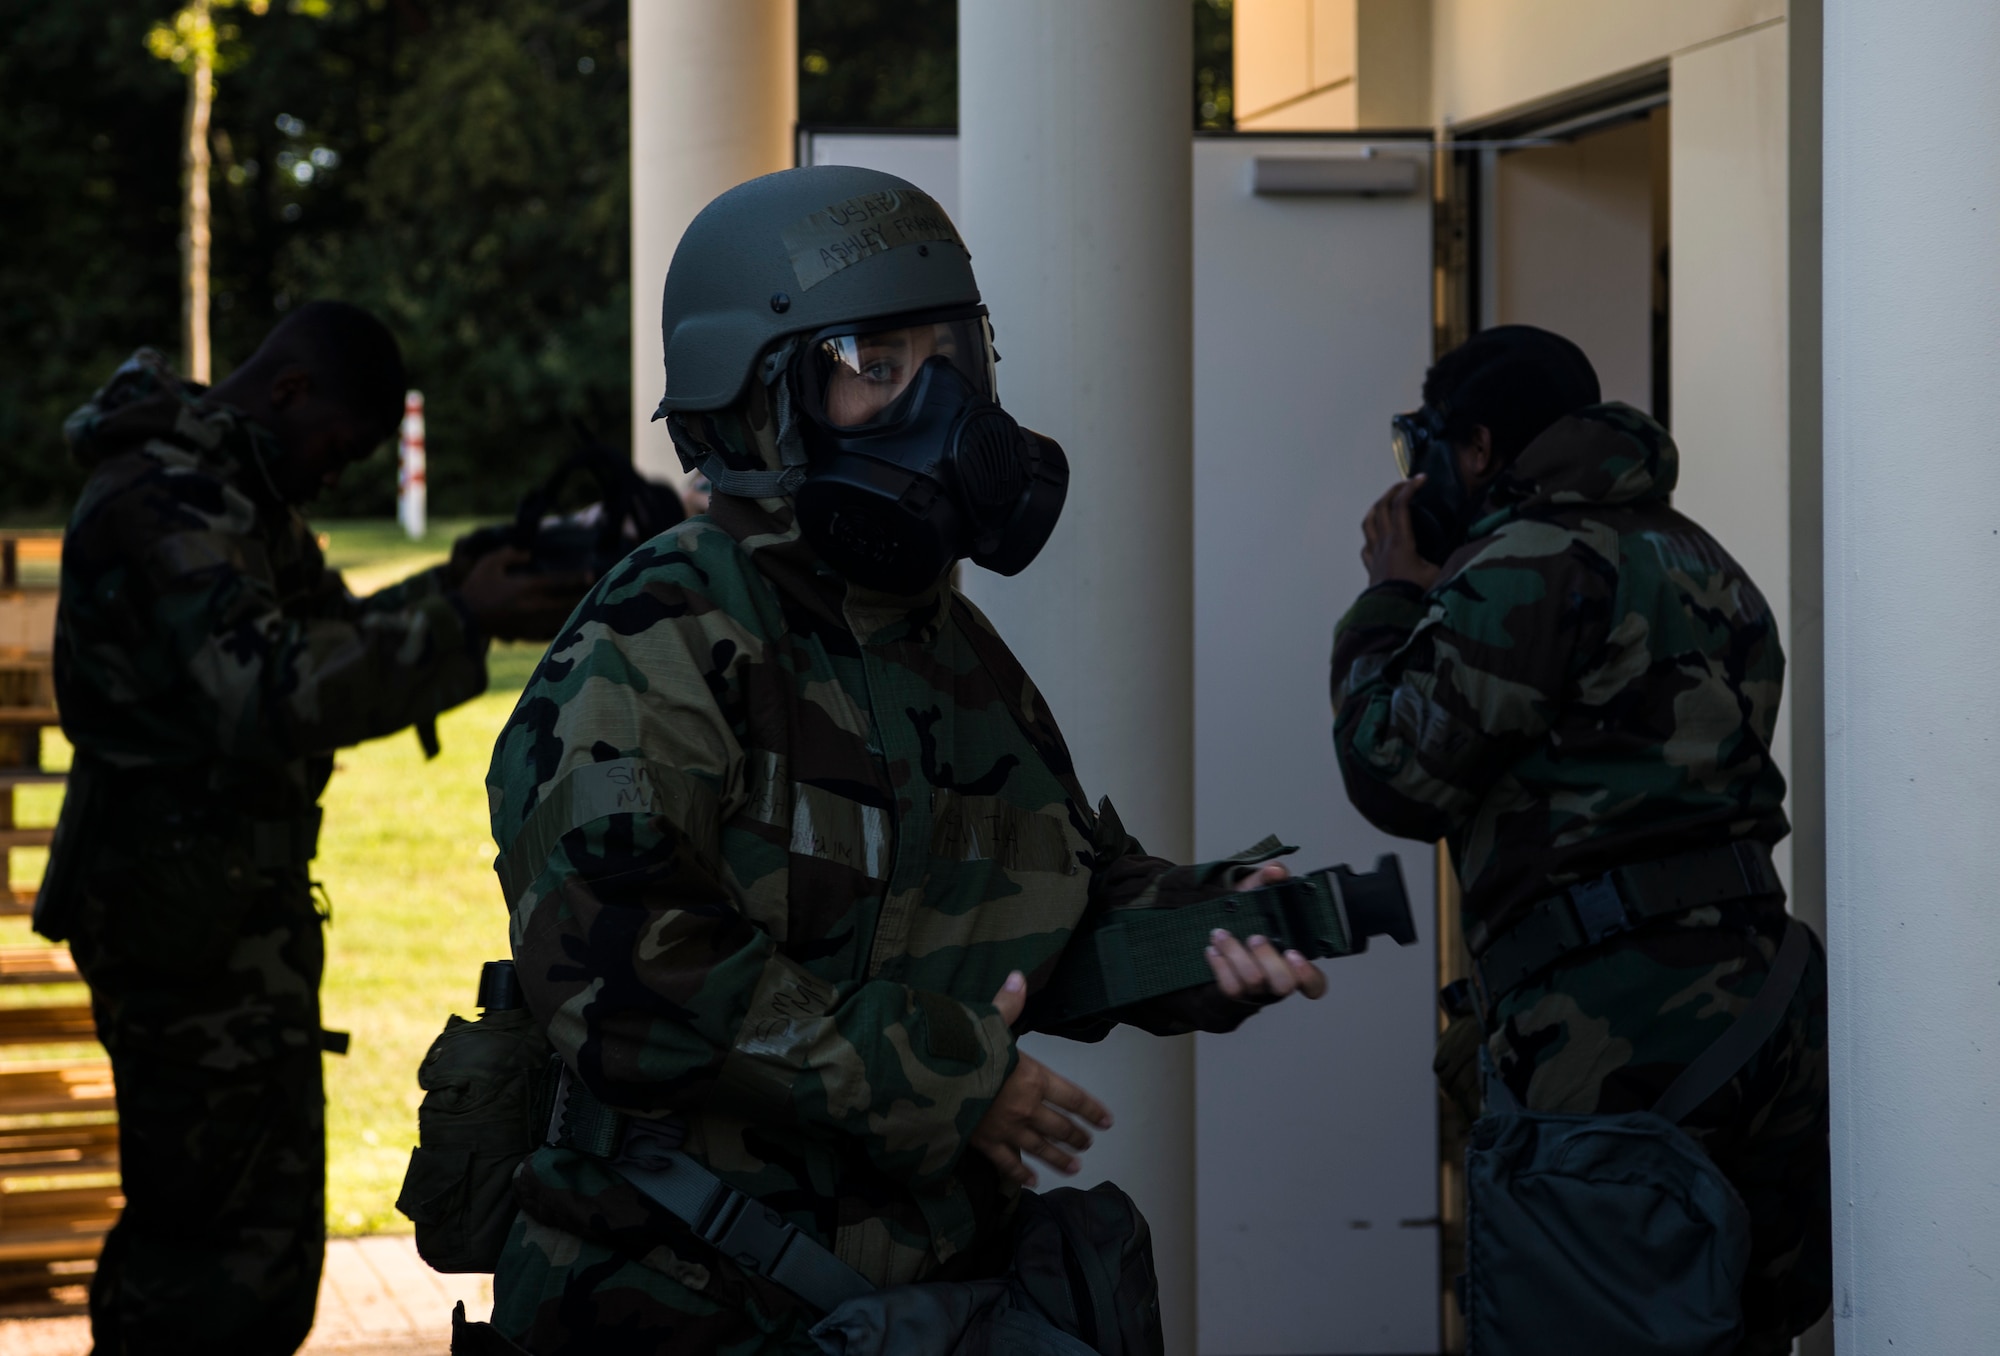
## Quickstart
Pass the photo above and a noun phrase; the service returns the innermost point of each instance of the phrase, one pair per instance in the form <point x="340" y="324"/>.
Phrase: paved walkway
<point x="377" y="1298"/>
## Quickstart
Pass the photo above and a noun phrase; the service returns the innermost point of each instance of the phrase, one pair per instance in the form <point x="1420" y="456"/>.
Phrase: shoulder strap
<point x="1735" y="1047"/>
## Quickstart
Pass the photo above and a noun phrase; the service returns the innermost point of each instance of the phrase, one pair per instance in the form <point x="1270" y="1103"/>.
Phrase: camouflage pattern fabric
<point x="207" y="666"/>
<point x="771" y="843"/>
<point x="1610" y="1033"/>
<point x="222" y="1143"/>
<point x="1593" y="681"/>
<point x="199" y="626"/>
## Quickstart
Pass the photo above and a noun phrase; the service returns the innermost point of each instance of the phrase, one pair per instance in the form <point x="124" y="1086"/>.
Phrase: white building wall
<point x="1731" y="314"/>
<point x="1491" y="55"/>
<point x="1912" y="339"/>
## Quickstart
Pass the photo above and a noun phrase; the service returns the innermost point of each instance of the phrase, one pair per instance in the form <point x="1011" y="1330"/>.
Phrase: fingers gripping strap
<point x="1135" y="954"/>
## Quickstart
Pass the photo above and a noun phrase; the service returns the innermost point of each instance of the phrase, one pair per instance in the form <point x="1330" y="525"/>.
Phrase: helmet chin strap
<point x="791" y="446"/>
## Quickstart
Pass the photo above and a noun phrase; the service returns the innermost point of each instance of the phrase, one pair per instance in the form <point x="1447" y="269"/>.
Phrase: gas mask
<point x="912" y="462"/>
<point x="1442" y="510"/>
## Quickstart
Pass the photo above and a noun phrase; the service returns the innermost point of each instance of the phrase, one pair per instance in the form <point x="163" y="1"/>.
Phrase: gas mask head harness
<point x="912" y="464"/>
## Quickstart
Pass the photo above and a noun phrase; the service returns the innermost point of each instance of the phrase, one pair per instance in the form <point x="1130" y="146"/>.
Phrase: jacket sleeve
<point x="1126" y="877"/>
<point x="271" y="682"/>
<point x="1435" y="696"/>
<point x="631" y="831"/>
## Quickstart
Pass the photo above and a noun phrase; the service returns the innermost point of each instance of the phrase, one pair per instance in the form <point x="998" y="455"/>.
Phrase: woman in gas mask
<point x="790" y="840"/>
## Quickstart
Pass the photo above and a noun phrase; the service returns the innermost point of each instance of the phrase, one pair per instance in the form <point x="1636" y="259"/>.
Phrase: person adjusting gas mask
<point x="1525" y="380"/>
<point x="1576" y="686"/>
<point x="794" y="852"/>
<point x="894" y="447"/>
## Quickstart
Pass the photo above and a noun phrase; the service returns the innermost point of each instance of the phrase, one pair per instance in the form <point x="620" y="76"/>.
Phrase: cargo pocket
<point x="485" y="1108"/>
<point x="434" y="1194"/>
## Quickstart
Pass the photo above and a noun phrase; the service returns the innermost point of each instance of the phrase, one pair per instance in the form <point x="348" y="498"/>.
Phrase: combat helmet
<point x="848" y="295"/>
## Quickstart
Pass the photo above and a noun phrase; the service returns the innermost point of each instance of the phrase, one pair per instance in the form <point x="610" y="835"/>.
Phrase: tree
<point x="194" y="43"/>
<point x="460" y="167"/>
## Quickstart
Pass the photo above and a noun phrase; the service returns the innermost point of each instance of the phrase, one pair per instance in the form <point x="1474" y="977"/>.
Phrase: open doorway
<point x="1577" y="239"/>
<point x="1554" y="216"/>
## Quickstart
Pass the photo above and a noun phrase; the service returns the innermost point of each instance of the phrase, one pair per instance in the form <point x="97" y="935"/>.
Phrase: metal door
<point x="1316" y="1123"/>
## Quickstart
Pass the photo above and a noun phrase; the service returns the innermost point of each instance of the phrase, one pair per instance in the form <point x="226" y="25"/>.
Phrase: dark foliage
<point x="878" y="63"/>
<point x="90" y="130"/>
<point x="1214" y="64"/>
<point x="458" y="166"/>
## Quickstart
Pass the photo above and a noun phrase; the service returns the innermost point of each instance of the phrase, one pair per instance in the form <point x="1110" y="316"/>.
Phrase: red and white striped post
<point x="410" y="490"/>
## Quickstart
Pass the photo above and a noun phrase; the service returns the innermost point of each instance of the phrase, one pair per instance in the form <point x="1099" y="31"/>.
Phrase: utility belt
<point x="647" y="1153"/>
<point x="1623" y="899"/>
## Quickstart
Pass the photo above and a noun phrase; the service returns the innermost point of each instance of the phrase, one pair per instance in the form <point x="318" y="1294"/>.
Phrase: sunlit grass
<point x="406" y="856"/>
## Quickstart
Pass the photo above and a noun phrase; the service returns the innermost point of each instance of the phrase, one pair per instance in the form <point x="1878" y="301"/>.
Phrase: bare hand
<point x="1032" y="1113"/>
<point x="1257" y="972"/>
<point x="1389" y="547"/>
<point x="509" y="602"/>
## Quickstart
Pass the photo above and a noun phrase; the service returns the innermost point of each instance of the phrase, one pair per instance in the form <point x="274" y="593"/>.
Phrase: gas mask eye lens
<point x="856" y="377"/>
<point x="1406" y="441"/>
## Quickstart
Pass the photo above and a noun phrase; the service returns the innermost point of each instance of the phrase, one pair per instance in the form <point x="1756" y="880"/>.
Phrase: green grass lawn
<point x="408" y="860"/>
<point x="406" y="856"/>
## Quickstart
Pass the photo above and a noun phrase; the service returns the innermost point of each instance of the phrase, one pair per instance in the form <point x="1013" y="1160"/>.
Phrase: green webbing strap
<point x="1738" y="1045"/>
<point x="647" y="1154"/>
<point x="1131" y="955"/>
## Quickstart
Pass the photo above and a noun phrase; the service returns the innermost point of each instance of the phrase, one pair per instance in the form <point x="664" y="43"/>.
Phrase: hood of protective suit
<point x="1602" y="455"/>
<point x="146" y="400"/>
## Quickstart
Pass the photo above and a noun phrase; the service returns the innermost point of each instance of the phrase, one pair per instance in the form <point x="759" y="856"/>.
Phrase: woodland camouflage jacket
<point x="1592" y="681"/>
<point x="771" y="846"/>
<point x="201" y="641"/>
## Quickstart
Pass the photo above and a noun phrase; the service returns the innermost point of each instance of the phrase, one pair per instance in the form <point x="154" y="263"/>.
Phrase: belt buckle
<point x="747" y="1232"/>
<point x="1600" y="909"/>
<point x="1290" y="926"/>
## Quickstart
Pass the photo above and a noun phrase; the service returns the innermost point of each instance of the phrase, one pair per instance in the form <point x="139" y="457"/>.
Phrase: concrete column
<point x="714" y="102"/>
<point x="1075" y="180"/>
<point x="1911" y="342"/>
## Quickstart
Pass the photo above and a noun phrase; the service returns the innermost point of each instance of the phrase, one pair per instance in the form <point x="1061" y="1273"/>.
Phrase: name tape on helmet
<point x="842" y="234"/>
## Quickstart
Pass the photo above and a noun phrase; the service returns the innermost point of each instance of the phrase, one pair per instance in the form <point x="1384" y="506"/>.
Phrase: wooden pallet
<point x="36" y="965"/>
<point x="57" y="1225"/>
<point x="45" y="1087"/>
<point x="59" y="1189"/>
<point x="51" y="1024"/>
<point x="59" y="1150"/>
